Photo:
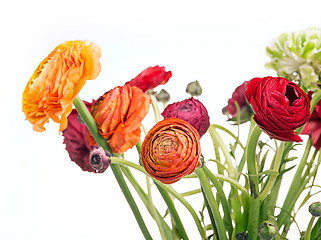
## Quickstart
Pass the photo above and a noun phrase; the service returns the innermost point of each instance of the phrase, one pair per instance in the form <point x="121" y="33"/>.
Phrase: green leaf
<point x="316" y="230"/>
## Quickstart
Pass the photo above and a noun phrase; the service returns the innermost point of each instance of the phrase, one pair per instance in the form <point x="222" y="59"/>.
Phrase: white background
<point x="43" y="195"/>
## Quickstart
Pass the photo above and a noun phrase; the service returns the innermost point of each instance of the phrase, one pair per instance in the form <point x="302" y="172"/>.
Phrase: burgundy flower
<point x="150" y="78"/>
<point x="280" y="106"/>
<point x="239" y="97"/>
<point x="76" y="141"/>
<point x="313" y="127"/>
<point x="192" y="111"/>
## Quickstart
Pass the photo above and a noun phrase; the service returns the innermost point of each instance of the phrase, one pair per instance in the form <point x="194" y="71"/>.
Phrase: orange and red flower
<point x="56" y="82"/>
<point x="118" y="114"/>
<point x="171" y="150"/>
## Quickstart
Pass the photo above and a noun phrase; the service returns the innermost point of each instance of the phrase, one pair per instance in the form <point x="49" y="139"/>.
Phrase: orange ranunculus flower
<point x="56" y="82"/>
<point x="118" y="114"/>
<point x="171" y="150"/>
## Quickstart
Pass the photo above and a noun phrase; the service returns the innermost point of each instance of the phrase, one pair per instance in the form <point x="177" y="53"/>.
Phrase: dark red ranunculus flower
<point x="150" y="78"/>
<point x="239" y="97"/>
<point x="192" y="111"/>
<point x="279" y="105"/>
<point x="313" y="127"/>
<point x="75" y="138"/>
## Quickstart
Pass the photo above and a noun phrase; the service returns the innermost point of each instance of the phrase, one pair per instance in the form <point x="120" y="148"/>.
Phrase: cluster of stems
<point x="232" y="210"/>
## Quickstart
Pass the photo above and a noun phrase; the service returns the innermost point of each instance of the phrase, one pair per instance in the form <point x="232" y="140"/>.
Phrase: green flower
<point x="297" y="57"/>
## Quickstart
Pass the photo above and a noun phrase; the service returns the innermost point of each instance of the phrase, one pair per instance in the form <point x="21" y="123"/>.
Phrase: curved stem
<point x="293" y="192"/>
<point x="212" y="203"/>
<point x="92" y="126"/>
<point x="230" y="133"/>
<point x="155" y="107"/>
<point x="309" y="229"/>
<point x="150" y="207"/>
<point x="217" y="140"/>
<point x="253" y="221"/>
<point x="274" y="175"/>
<point x="115" y="160"/>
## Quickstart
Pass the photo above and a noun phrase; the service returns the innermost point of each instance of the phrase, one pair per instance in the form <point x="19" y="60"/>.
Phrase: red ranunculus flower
<point x="192" y="111"/>
<point x="239" y="97"/>
<point x="280" y="106"/>
<point x="150" y="78"/>
<point x="75" y="138"/>
<point x="171" y="150"/>
<point x="313" y="127"/>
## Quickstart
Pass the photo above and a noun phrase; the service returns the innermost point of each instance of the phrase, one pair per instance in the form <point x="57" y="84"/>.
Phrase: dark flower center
<point x="95" y="160"/>
<point x="290" y="94"/>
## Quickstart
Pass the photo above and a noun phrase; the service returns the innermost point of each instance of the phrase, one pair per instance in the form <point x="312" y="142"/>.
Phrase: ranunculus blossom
<point x="118" y="114"/>
<point x="239" y="97"/>
<point x="150" y="78"/>
<point x="56" y="82"/>
<point x="75" y="138"/>
<point x="171" y="150"/>
<point x="280" y="106"/>
<point x="190" y="110"/>
<point x="313" y="127"/>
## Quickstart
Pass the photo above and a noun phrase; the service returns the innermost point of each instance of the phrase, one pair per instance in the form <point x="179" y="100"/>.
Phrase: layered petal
<point x="190" y="110"/>
<point x="279" y="105"/>
<point x="171" y="150"/>
<point x="56" y="82"/>
<point x="118" y="114"/>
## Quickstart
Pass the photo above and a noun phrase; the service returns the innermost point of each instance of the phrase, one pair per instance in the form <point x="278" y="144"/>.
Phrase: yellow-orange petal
<point x="56" y="82"/>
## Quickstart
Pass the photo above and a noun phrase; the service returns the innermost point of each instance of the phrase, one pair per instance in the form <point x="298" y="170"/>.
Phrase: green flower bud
<point x="163" y="96"/>
<point x="315" y="209"/>
<point x="267" y="230"/>
<point x="194" y="88"/>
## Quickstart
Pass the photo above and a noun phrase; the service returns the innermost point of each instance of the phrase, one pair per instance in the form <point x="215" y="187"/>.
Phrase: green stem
<point x="274" y="175"/>
<point x="121" y="181"/>
<point x="92" y="126"/>
<point x="150" y="200"/>
<point x="293" y="192"/>
<point x="90" y="123"/>
<point x="212" y="203"/>
<point x="168" y="188"/>
<point x="150" y="207"/>
<point x="309" y="229"/>
<point x="254" y="213"/>
<point x="172" y="210"/>
<point x="217" y="140"/>
<point x="230" y="133"/>
<point x="225" y="206"/>
<point x="155" y="107"/>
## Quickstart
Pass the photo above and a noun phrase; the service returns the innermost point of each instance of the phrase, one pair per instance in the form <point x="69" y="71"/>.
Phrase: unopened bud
<point x="242" y="236"/>
<point x="99" y="159"/>
<point x="315" y="209"/>
<point x="194" y="88"/>
<point x="163" y="96"/>
<point x="267" y="230"/>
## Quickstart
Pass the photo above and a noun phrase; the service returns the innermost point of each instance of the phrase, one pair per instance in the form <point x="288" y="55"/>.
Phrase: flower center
<point x="95" y="160"/>
<point x="166" y="145"/>
<point x="290" y="94"/>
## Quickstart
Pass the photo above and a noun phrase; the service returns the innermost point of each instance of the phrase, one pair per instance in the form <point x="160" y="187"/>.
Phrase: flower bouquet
<point x="239" y="185"/>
